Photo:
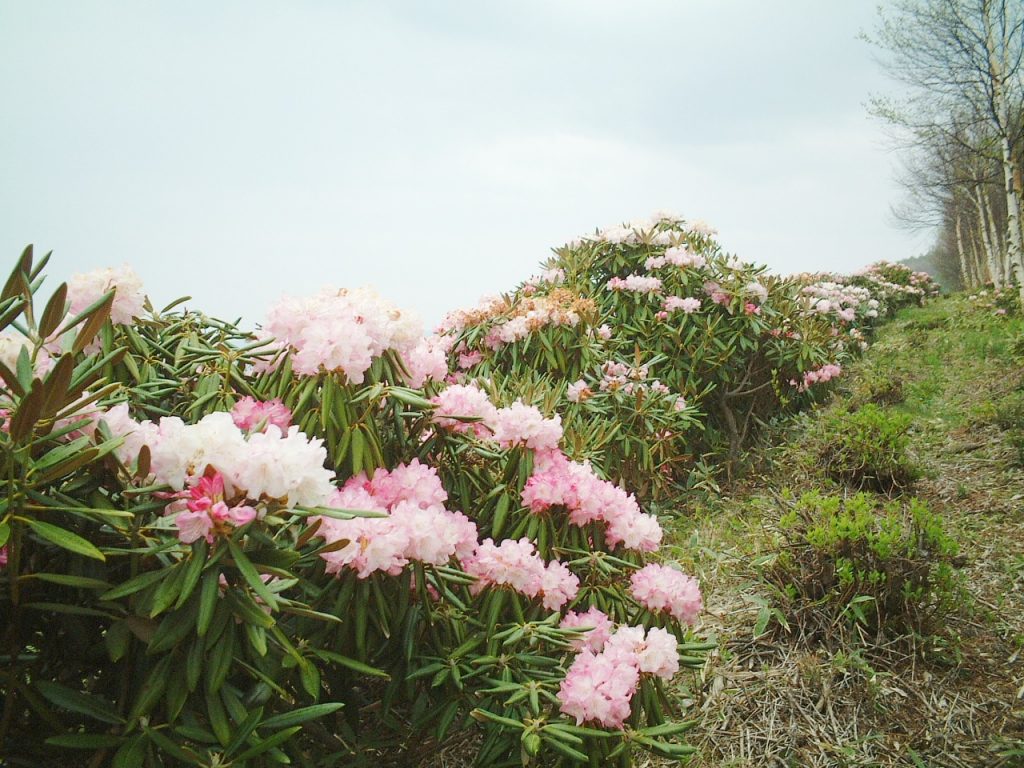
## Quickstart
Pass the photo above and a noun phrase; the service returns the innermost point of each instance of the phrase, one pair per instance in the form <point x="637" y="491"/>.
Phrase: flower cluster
<point x="516" y="564"/>
<point x="208" y="514"/>
<point x="661" y="588"/>
<point x="85" y="288"/>
<point x="426" y="361"/>
<point x="635" y="284"/>
<point x="411" y="523"/>
<point x="688" y="305"/>
<point x="341" y="330"/>
<point x="465" y="408"/>
<point x="251" y="414"/>
<point x="678" y="256"/>
<point x="282" y="465"/>
<point x="817" y="376"/>
<point x="599" y="685"/>
<point x="573" y="487"/>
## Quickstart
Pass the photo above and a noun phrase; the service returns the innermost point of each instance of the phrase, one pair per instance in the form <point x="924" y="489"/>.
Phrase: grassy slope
<point x="951" y="699"/>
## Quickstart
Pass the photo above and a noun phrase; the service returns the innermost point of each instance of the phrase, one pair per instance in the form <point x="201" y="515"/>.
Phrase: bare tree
<point x="963" y="64"/>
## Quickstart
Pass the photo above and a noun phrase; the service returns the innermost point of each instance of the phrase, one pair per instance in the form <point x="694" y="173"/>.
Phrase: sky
<point x="241" y="149"/>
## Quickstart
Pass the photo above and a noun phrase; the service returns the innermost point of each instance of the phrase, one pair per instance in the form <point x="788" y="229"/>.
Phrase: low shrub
<point x="878" y="388"/>
<point x="885" y="567"/>
<point x="867" y="448"/>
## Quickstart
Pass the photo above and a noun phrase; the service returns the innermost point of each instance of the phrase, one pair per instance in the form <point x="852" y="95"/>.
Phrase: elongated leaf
<point x="269" y="743"/>
<point x="65" y="539"/>
<point x="54" y="311"/>
<point x="251" y="575"/>
<point x="300" y="715"/>
<point x="82" y="703"/>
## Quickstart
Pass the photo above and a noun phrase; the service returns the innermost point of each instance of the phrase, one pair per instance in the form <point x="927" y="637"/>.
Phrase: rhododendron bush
<point x="310" y="545"/>
<point x="650" y="333"/>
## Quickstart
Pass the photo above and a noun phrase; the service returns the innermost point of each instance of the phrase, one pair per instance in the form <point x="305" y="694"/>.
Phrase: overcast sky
<point x="435" y="150"/>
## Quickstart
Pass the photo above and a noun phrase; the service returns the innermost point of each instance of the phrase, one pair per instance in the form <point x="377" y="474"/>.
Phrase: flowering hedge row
<point x="333" y="538"/>
<point x="662" y="352"/>
<point x="220" y="548"/>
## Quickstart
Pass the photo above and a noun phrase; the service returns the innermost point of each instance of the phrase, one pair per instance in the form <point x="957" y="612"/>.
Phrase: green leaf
<point x="207" y="600"/>
<point x="65" y="539"/>
<point x="354" y="665"/>
<point x="267" y="744"/>
<point x="251" y="575"/>
<point x="85" y="741"/>
<point x="54" y="311"/>
<point x="135" y="584"/>
<point x="70" y="581"/>
<point x="300" y="715"/>
<point x="83" y="704"/>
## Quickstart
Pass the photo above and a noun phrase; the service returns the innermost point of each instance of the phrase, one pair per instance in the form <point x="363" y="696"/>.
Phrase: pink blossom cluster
<point x="662" y="588"/>
<point x="677" y="256"/>
<point x="207" y="513"/>
<point x="616" y="376"/>
<point x="635" y="284"/>
<point x="412" y="523"/>
<point x="251" y="414"/>
<point x="11" y="345"/>
<point x="283" y="465"/>
<point x="542" y="312"/>
<point x="521" y="424"/>
<point x="595" y="626"/>
<point x="557" y="483"/>
<point x="516" y="564"/>
<point x="85" y="288"/>
<point x="426" y="361"/>
<point x="518" y="424"/>
<point x="459" y="402"/>
<point x="599" y="685"/>
<point x="341" y="330"/>
<point x="689" y="305"/>
<point x="578" y="392"/>
<point x="844" y="301"/>
<point x="553" y="276"/>
<point x="818" y="376"/>
<point x="717" y="293"/>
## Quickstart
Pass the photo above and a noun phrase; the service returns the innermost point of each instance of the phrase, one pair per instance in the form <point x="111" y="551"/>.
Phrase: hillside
<point x="781" y="691"/>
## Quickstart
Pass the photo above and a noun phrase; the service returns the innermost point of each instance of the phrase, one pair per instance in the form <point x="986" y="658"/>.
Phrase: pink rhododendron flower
<point x="426" y="361"/>
<point x="604" y="332"/>
<point x="208" y="514"/>
<point x="516" y="564"/>
<point x="557" y="482"/>
<point x="596" y="625"/>
<point x="413" y="482"/>
<point x="598" y="688"/>
<point x="521" y="424"/>
<point x="688" y="305"/>
<point x="578" y="391"/>
<point x="249" y="413"/>
<point x="84" y="289"/>
<point x="466" y="401"/>
<point x="661" y="588"/>
<point x="341" y="330"/>
<point x="413" y="526"/>
<point x="751" y="309"/>
<point x="3" y="556"/>
<point x="635" y="283"/>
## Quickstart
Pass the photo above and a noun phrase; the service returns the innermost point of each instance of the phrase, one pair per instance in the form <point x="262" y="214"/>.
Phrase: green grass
<point x="956" y="371"/>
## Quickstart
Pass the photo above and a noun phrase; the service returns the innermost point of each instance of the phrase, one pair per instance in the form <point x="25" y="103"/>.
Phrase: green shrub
<point x="867" y="448"/>
<point x="851" y="561"/>
<point x="878" y="388"/>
